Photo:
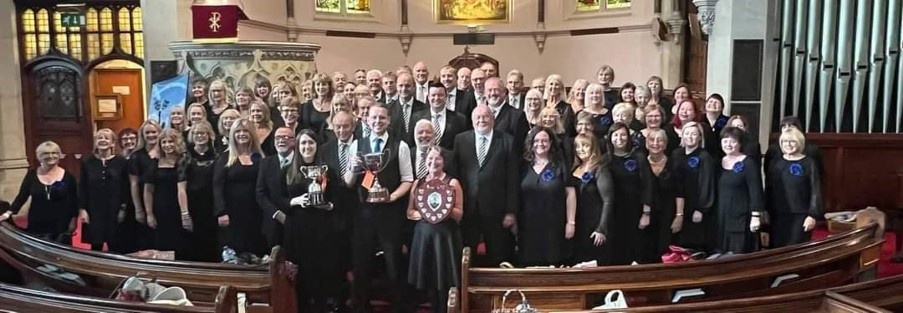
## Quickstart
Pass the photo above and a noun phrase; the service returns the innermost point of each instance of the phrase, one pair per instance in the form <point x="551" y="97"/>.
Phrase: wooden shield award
<point x="435" y="200"/>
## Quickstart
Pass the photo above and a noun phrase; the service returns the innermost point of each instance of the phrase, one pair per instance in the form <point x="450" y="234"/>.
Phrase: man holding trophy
<point x="384" y="175"/>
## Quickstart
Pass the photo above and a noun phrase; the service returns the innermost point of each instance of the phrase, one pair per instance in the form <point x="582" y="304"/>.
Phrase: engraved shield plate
<point x="434" y="200"/>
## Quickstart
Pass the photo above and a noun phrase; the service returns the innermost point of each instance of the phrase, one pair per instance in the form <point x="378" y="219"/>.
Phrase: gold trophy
<point x="375" y="163"/>
<point x="315" y="190"/>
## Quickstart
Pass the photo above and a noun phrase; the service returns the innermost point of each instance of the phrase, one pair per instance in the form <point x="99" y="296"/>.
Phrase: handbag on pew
<point x="522" y="307"/>
<point x="611" y="302"/>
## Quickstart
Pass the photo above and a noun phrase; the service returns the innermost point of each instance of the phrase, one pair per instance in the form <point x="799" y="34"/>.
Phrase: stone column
<point x="673" y="48"/>
<point x="740" y="26"/>
<point x="164" y="21"/>
<point x="13" y="163"/>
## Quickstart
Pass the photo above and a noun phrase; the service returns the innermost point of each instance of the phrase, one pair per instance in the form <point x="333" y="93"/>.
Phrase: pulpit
<point x="471" y="60"/>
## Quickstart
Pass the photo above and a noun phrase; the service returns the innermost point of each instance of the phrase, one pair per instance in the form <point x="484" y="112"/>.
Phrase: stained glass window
<point x="350" y="7"/>
<point x="125" y="20"/>
<point x="105" y="28"/>
<point x="588" y="5"/>
<point x="617" y="4"/>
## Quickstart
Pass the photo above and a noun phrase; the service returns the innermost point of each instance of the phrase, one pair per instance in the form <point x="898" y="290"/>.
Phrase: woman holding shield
<point x="437" y="203"/>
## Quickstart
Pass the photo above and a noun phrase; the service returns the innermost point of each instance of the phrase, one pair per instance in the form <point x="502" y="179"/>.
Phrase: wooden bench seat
<point x="882" y="295"/>
<point x="267" y="289"/>
<point x="834" y="261"/>
<point x="24" y="300"/>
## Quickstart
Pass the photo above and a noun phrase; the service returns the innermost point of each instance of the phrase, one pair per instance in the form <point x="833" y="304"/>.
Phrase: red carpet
<point x="885" y="267"/>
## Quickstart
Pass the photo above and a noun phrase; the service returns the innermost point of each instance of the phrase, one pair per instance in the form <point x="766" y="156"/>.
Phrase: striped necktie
<point x="343" y="158"/>
<point x="436" y="129"/>
<point x="421" y="166"/>
<point x="481" y="153"/>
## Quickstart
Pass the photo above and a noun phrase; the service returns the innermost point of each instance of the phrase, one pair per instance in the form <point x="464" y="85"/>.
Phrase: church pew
<point x="882" y="295"/>
<point x="833" y="261"/>
<point x="24" y="300"/>
<point x="267" y="289"/>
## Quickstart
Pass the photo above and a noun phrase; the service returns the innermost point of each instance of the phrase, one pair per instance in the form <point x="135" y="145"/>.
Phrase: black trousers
<point x="378" y="227"/>
<point x="499" y="240"/>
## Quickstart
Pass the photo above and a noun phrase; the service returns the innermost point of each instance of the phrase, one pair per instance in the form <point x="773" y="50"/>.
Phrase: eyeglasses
<point x="284" y="138"/>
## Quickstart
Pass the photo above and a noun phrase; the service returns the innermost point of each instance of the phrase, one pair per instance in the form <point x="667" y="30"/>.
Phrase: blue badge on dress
<point x="547" y="175"/>
<point x="796" y="169"/>
<point x="738" y="167"/>
<point x="630" y="165"/>
<point x="605" y="120"/>
<point x="587" y="177"/>
<point x="693" y="162"/>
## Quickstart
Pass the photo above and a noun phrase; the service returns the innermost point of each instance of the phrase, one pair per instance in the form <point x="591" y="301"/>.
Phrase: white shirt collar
<point x="289" y="158"/>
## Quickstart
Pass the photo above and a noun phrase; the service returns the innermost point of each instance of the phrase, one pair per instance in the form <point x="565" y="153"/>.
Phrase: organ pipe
<point x="860" y="56"/>
<point x="786" y="49"/>
<point x="844" y="59"/>
<point x="812" y="48"/>
<point x="876" y="54"/>
<point x="828" y="41"/>
<point x="799" y="52"/>
<point x="892" y="35"/>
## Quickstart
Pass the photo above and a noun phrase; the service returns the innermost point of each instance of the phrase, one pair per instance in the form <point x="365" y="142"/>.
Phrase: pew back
<point x="831" y="262"/>
<point x="24" y="300"/>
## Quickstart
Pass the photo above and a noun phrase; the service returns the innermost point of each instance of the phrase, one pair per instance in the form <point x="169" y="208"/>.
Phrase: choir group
<point x="537" y="175"/>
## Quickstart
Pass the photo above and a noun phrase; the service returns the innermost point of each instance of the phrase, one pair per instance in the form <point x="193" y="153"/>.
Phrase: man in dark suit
<point x="507" y="119"/>
<point x="404" y="109"/>
<point x="421" y="81"/>
<point x="390" y="93"/>
<point x="362" y="129"/>
<point x="375" y="84"/>
<point x="424" y="138"/>
<point x="271" y="192"/>
<point x="378" y="225"/>
<point x="446" y="123"/>
<point x="455" y="96"/>
<point x="515" y="86"/>
<point x="476" y="96"/>
<point x="488" y="164"/>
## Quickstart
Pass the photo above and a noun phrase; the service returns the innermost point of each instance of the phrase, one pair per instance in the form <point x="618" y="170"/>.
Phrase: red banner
<point x="216" y="21"/>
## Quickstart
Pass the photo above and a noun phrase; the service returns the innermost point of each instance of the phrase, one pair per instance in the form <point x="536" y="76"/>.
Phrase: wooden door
<point x="55" y="109"/>
<point x="696" y="55"/>
<point x="129" y="84"/>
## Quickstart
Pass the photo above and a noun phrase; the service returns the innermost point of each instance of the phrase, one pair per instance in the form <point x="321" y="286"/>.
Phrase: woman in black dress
<point x="234" y="182"/>
<point x="793" y="187"/>
<point x="260" y="117"/>
<point x="202" y="241"/>
<point x="595" y="199"/>
<point x="262" y="88"/>
<point x="546" y="221"/>
<point x="668" y="191"/>
<point x="104" y="191"/>
<point x="811" y="150"/>
<point x="714" y="113"/>
<point x="655" y="85"/>
<point x="696" y="169"/>
<point x="624" y="113"/>
<point x="196" y="114"/>
<point x="550" y="119"/>
<point x="243" y="98"/>
<point x="219" y="101"/>
<point x="739" y="196"/>
<point x="631" y="241"/>
<point x="436" y="249"/>
<point x="315" y="112"/>
<point x="554" y="95"/>
<point x="605" y="76"/>
<point x="226" y="119"/>
<point x="166" y="197"/>
<point x="749" y="145"/>
<point x="533" y="106"/>
<point x="177" y="121"/>
<point x="310" y="235"/>
<point x="142" y="159"/>
<point x="598" y="110"/>
<point x="54" y="197"/>
<point x="126" y="239"/>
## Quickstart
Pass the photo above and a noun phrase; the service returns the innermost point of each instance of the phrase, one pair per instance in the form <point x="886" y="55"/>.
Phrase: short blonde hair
<point x="222" y="118"/>
<point x="47" y="147"/>
<point x="550" y="111"/>
<point x="204" y="127"/>
<point x="554" y="77"/>
<point x="698" y="127"/>
<point x="176" y="137"/>
<point x="110" y="134"/>
<point x="795" y="135"/>
<point x="198" y="106"/>
<point x="625" y="108"/>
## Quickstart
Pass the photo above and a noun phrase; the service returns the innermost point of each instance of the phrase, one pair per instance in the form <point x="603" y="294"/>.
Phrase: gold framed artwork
<point x="472" y="11"/>
<point x="107" y="107"/>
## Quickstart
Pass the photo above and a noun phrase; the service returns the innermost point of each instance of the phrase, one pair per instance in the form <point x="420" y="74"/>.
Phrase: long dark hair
<point x="293" y="173"/>
<point x="611" y="147"/>
<point x="555" y="153"/>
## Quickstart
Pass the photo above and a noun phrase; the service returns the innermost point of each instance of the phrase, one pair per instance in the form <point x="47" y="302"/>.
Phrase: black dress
<point x="793" y="189"/>
<point x="697" y="178"/>
<point x="313" y="119"/>
<point x="268" y="143"/>
<point x="52" y="206"/>
<point x="543" y="216"/>
<point x="233" y="195"/>
<point x="104" y="192"/>
<point x="739" y="194"/>
<point x="312" y="241"/>
<point x="595" y="198"/>
<point x="202" y="240"/>
<point x="436" y="254"/>
<point x="132" y="236"/>
<point x="667" y="187"/>
<point x="601" y="123"/>
<point x="169" y="234"/>
<point x="632" y="191"/>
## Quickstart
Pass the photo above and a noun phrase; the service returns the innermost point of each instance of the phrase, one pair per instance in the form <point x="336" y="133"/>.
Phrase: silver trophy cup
<point x="375" y="163"/>
<point x="315" y="194"/>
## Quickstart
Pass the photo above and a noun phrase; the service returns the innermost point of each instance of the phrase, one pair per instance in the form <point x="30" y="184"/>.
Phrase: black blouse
<point x="52" y="206"/>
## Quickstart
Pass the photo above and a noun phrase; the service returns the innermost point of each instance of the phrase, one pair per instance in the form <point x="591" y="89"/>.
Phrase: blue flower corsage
<point x="721" y="122"/>
<point x="547" y="175"/>
<point x="693" y="162"/>
<point x="738" y="167"/>
<point x="587" y="177"/>
<point x="630" y="165"/>
<point x="605" y="120"/>
<point x="796" y="169"/>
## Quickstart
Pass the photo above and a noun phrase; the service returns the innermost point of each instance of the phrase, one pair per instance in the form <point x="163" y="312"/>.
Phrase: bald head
<point x="343" y="125"/>
<point x="405" y="86"/>
<point x="421" y="73"/>
<point x="463" y="78"/>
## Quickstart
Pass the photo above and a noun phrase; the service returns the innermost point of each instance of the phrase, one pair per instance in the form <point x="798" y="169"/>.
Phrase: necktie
<point x="481" y="153"/>
<point x="284" y="163"/>
<point x="406" y="113"/>
<point x="377" y="145"/>
<point x="450" y="102"/>
<point x="436" y="129"/>
<point x="480" y="100"/>
<point x="366" y="131"/>
<point x="343" y="158"/>
<point x="421" y="166"/>
<point x="513" y="102"/>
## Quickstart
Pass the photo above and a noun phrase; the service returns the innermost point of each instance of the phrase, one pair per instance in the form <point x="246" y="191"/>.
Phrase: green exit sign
<point x="72" y="19"/>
